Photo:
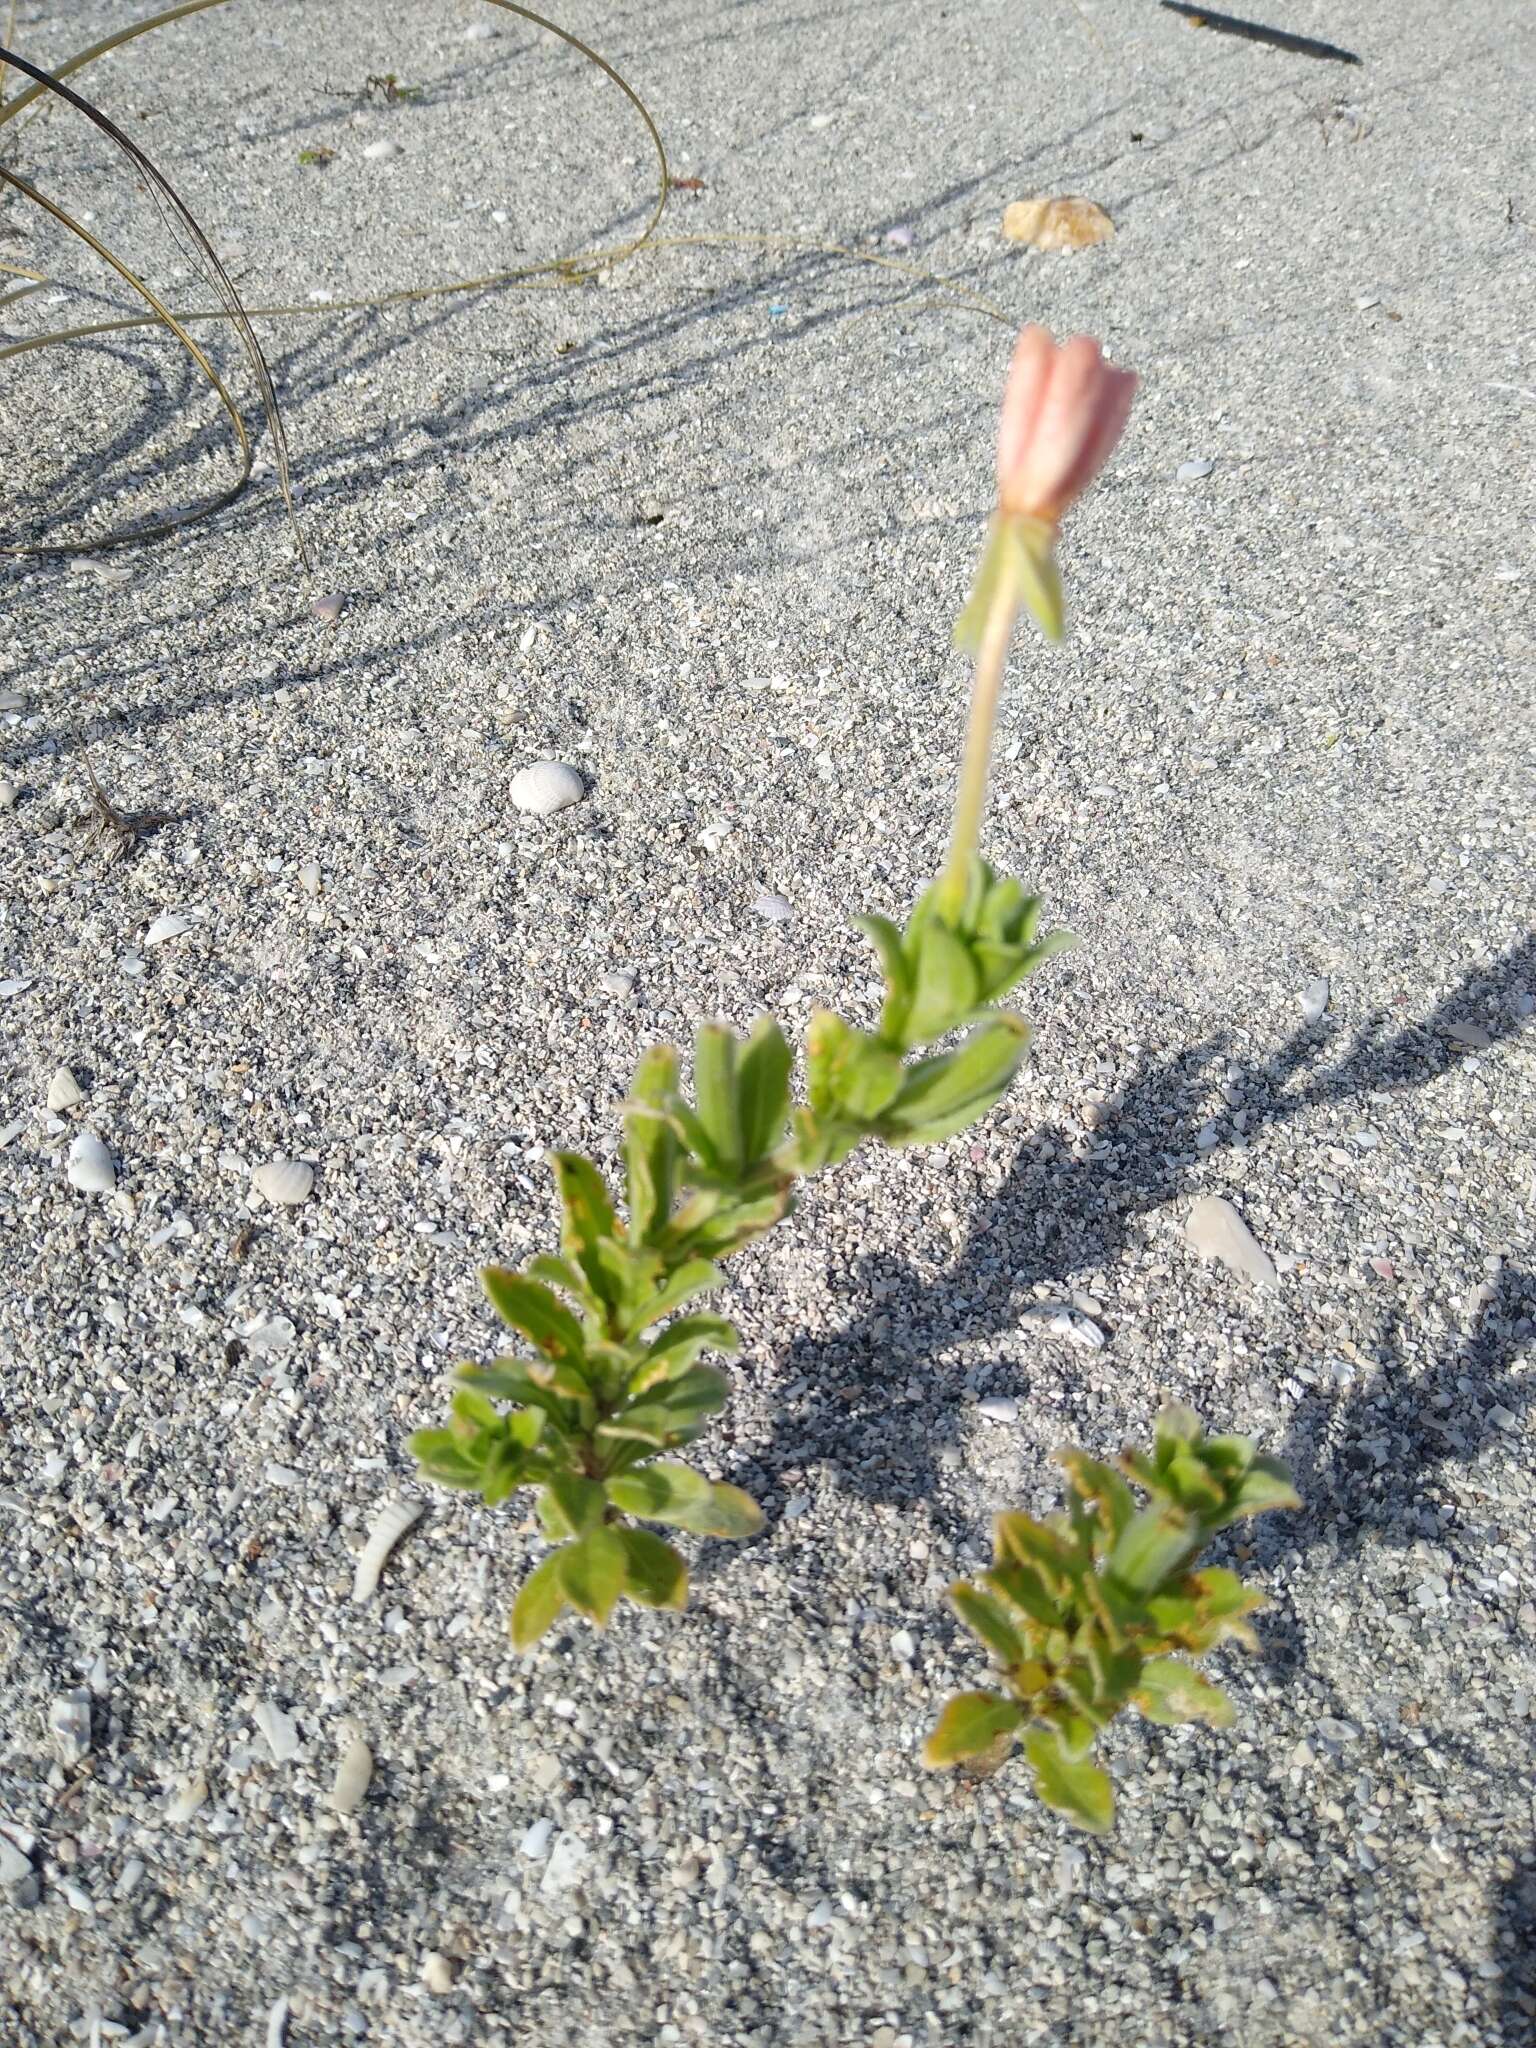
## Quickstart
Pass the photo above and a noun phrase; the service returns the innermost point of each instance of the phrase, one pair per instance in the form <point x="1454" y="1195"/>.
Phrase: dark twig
<point x="1253" y="32"/>
<point x="119" y="831"/>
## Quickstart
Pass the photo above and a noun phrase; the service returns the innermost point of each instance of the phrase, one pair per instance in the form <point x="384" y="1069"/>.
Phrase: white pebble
<point x="999" y="1408"/>
<point x="1191" y="472"/>
<point x="309" y="878"/>
<point x="14" y="1867"/>
<point x="567" y="1865"/>
<point x="1314" y="999"/>
<point x="380" y="152"/>
<point x="1216" y="1231"/>
<point x="12" y="700"/>
<point x="535" y="1843"/>
<point x="820" y="1913"/>
<point x="188" y="1796"/>
<point x="90" y="1167"/>
<point x="437" y="1974"/>
<point x="280" y="1729"/>
<point x="64" y="1091"/>
<point x="69" y="1723"/>
<point x="620" y="983"/>
<point x="352" y="1776"/>
<point x="284" y="1182"/>
<point x="903" y="1646"/>
<point x="7" y="796"/>
<point x="479" y="32"/>
<point x="546" y="787"/>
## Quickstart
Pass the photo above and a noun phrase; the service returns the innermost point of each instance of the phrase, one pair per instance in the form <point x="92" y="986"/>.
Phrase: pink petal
<point x="1116" y="390"/>
<point x="1061" y="426"/>
<point x="1034" y="359"/>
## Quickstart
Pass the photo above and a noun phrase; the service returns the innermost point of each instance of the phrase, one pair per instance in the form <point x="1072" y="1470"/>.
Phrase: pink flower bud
<point x="1063" y="411"/>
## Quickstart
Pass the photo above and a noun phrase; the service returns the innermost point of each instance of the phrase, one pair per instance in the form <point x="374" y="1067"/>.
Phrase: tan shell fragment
<point x="1216" y="1231"/>
<point x="1057" y="223"/>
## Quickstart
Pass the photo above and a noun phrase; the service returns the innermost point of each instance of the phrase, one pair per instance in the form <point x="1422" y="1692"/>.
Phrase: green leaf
<point x="728" y="1514"/>
<point x="1266" y="1484"/>
<point x="1170" y="1692"/>
<point x="946" y="986"/>
<point x="970" y="1724"/>
<point x="732" y="1515"/>
<point x="729" y="1223"/>
<point x="442" y="1456"/>
<point x="1079" y="1790"/>
<point x="558" y="1273"/>
<point x="588" y="1213"/>
<point x="658" y="1493"/>
<point x="674" y="1351"/>
<point x="824" y="1040"/>
<point x="1032" y="567"/>
<point x="868" y="1078"/>
<point x="540" y="1603"/>
<point x="1100" y="1483"/>
<point x="897" y="969"/>
<point x="650" y="1144"/>
<point x="994" y="566"/>
<point x="692" y="1277"/>
<point x="654" y="1574"/>
<point x="592" y="1573"/>
<point x="577" y="1503"/>
<point x="714" y="1082"/>
<point x="1022" y="1586"/>
<point x="942" y="1095"/>
<point x="1153" y="1544"/>
<point x="982" y="1614"/>
<point x="762" y="1089"/>
<point x="529" y="1306"/>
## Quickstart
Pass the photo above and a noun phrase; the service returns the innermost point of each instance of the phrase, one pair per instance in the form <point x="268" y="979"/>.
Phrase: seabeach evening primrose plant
<point x="613" y="1382"/>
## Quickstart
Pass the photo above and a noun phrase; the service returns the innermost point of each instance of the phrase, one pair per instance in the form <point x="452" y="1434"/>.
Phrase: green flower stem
<point x="970" y="800"/>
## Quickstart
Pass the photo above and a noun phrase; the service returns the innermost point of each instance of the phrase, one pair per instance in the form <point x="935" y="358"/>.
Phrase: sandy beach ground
<point x="700" y="529"/>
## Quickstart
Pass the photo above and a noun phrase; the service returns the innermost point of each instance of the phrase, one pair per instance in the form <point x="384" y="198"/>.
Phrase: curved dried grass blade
<point x="195" y="244"/>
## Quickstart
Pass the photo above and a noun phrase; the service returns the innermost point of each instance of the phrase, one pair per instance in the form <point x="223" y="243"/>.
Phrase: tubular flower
<point x="1063" y="411"/>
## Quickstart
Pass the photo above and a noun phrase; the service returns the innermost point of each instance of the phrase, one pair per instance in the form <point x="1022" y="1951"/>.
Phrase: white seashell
<point x="777" y="909"/>
<point x="1080" y="1329"/>
<point x="89" y="1166"/>
<point x="328" y="609"/>
<point x="903" y="1646"/>
<point x="280" y="1729"/>
<point x="1314" y="999"/>
<point x="14" y="1867"/>
<point x="381" y="152"/>
<point x="352" y="1776"/>
<point x="620" y="983"/>
<point x="12" y="700"/>
<point x="284" y="1182"/>
<point x="998" y="1408"/>
<point x="17" y="985"/>
<point x="479" y="32"/>
<point x="309" y="878"/>
<point x="189" y="1795"/>
<point x="1191" y="472"/>
<point x="437" y="1973"/>
<point x="69" y="1723"/>
<point x="12" y="1131"/>
<point x="64" y="1091"/>
<point x="389" y="1525"/>
<point x="545" y="787"/>
<point x="277" y="2024"/>
<point x="1216" y="1231"/>
<point x="169" y="926"/>
<point x="7" y="796"/>
<point x="1468" y="1034"/>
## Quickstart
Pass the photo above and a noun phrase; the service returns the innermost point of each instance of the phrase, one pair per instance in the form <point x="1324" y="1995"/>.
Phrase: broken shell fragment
<point x="389" y="1525"/>
<point x="1052" y="224"/>
<point x="89" y="1166"/>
